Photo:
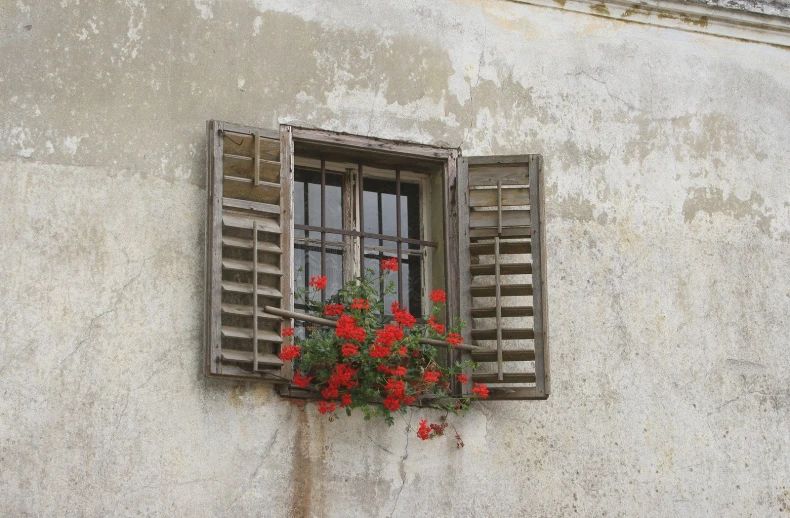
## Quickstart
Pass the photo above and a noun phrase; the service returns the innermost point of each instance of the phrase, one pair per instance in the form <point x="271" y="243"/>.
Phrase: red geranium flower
<point x="380" y="351"/>
<point x="390" y="264"/>
<point x="454" y="339"/>
<point x="289" y="352"/>
<point x="402" y="315"/>
<point x="288" y="331"/>
<point x="325" y="407"/>
<point x="439" y="328"/>
<point x="361" y="304"/>
<point x="424" y="432"/>
<point x="461" y="378"/>
<point x="301" y="381"/>
<point x="333" y="310"/>
<point x="349" y="350"/>
<point x="330" y="392"/>
<point x="318" y="283"/>
<point x="481" y="390"/>
<point x="438" y="296"/>
<point x="345" y="400"/>
<point x="431" y="376"/>
<point x="391" y="403"/>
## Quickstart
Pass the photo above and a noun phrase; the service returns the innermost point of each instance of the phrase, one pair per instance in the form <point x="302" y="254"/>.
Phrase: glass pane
<point x="307" y="200"/>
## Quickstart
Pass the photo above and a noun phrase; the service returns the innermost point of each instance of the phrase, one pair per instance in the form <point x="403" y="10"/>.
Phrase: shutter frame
<point x="245" y="212"/>
<point x="476" y="226"/>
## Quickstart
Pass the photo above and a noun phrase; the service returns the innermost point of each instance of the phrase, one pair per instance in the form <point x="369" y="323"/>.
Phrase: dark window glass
<point x="380" y="217"/>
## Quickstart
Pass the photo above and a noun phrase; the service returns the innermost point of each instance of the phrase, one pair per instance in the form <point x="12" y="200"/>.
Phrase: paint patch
<point x="206" y="8"/>
<point x="600" y="9"/>
<point x="712" y="200"/>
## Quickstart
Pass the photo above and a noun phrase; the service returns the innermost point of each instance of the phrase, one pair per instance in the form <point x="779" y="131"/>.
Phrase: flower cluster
<point x="333" y="310"/>
<point x="348" y="329"/>
<point x="360" y="304"/>
<point x="426" y="432"/>
<point x="374" y="362"/>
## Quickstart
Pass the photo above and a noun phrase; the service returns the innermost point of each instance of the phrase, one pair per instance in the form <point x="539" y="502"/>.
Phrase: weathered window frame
<point x="455" y="245"/>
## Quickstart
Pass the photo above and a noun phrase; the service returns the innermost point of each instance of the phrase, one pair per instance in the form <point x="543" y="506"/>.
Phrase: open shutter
<point x="502" y="273"/>
<point x="249" y="246"/>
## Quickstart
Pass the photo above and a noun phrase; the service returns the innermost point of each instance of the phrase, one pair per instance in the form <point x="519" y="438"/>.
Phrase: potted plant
<point x="362" y="359"/>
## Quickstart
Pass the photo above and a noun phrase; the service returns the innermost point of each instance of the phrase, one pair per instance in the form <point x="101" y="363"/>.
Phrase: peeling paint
<point x="712" y="201"/>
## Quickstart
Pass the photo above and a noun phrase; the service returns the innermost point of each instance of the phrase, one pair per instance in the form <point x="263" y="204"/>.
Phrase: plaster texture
<point x="666" y="161"/>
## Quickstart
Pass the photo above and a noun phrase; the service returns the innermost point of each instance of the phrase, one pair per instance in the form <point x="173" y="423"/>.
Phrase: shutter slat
<point x="508" y="377"/>
<point x="238" y="309"/>
<point x="504" y="269"/>
<point x="488" y="197"/>
<point x="507" y="334"/>
<point x="507" y="311"/>
<point x="241" y="332"/>
<point x="490" y="219"/>
<point x="247" y="243"/>
<point x="246" y="266"/>
<point x="507" y="290"/>
<point x="505" y="247"/>
<point x="267" y="359"/>
<point x="508" y="356"/>
<point x="240" y="287"/>
<point x="238" y="220"/>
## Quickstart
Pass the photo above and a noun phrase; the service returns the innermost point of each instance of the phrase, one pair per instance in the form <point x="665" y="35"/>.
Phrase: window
<point x="290" y="204"/>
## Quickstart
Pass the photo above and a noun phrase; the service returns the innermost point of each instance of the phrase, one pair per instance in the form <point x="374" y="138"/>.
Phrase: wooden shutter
<point x="250" y="247"/>
<point x="503" y="274"/>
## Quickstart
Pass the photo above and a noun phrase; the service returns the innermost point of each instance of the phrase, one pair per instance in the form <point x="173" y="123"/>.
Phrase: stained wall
<point x="666" y="161"/>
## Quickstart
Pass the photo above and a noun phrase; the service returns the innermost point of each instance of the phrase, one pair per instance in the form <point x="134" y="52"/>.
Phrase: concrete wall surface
<point x="666" y="162"/>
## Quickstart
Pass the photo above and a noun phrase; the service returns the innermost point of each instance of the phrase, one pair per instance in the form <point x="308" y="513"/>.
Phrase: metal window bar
<point x="323" y="223"/>
<point x="398" y="233"/>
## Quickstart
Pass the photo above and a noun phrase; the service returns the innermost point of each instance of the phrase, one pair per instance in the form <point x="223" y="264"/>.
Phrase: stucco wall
<point x="666" y="162"/>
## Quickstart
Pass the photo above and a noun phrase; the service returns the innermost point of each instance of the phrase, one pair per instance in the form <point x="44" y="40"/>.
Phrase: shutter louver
<point x="502" y="270"/>
<point x="249" y="251"/>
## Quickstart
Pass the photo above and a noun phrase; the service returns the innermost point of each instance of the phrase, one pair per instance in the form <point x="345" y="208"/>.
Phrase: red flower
<point x="390" y="264"/>
<point x="402" y="315"/>
<point x="396" y="387"/>
<point x="481" y="390"/>
<point x="391" y="403"/>
<point x="388" y="335"/>
<point x="461" y="378"/>
<point x="345" y="400"/>
<point x="330" y="392"/>
<point x="318" y="283"/>
<point x="361" y="304"/>
<point x="402" y="351"/>
<point x="301" y="381"/>
<point x="348" y="330"/>
<point x="431" y="376"/>
<point x="438" y="296"/>
<point x="454" y="339"/>
<point x="325" y="407"/>
<point x="380" y="351"/>
<point x="289" y="352"/>
<point x="349" y="350"/>
<point x="288" y="331"/>
<point x="439" y="328"/>
<point x="333" y="310"/>
<point x="424" y="432"/>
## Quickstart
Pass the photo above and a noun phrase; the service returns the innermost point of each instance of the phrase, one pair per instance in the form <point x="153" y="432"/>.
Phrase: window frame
<point x="239" y="195"/>
<point x="384" y="152"/>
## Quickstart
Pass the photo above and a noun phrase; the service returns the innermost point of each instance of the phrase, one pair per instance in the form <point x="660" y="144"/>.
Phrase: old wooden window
<point x="290" y="204"/>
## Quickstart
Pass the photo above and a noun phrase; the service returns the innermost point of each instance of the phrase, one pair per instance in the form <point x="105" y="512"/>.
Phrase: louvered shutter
<point x="502" y="273"/>
<point x="250" y="247"/>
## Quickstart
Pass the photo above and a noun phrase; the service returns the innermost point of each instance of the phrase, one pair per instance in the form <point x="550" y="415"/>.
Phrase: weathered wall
<point x="669" y="242"/>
